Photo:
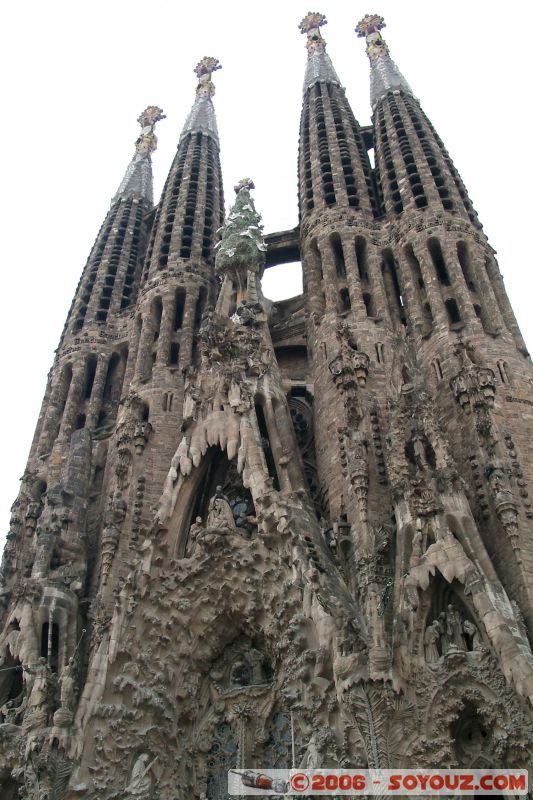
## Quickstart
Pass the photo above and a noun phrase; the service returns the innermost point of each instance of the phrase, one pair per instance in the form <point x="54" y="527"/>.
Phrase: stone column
<point x="188" y="332"/>
<point x="352" y="275"/>
<point x="97" y="393"/>
<point x="438" y="309"/>
<point x="75" y="396"/>
<point x="329" y="272"/>
<point x="165" y="330"/>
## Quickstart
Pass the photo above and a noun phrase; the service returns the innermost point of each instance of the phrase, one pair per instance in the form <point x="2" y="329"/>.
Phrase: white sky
<point x="76" y="76"/>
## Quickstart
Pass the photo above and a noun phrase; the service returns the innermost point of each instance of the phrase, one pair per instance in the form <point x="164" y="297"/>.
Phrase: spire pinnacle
<point x="202" y="116"/>
<point x="319" y="66"/>
<point x="384" y="74"/>
<point x="138" y="176"/>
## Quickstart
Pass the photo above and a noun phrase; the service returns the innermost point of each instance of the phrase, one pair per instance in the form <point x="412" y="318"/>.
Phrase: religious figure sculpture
<point x="431" y="640"/>
<point x="140" y="784"/>
<point x="454" y="629"/>
<point x="219" y="513"/>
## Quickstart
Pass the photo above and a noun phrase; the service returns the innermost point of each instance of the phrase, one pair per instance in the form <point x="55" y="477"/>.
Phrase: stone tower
<point x="245" y="524"/>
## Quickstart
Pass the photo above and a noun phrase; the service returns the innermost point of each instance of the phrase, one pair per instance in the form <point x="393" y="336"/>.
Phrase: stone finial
<point x="311" y="25"/>
<point x="245" y="183"/>
<point x="150" y="116"/>
<point x="204" y="69"/>
<point x="312" y="21"/>
<point x="147" y="141"/>
<point x="371" y="23"/>
<point x="206" y="66"/>
<point x="369" y="27"/>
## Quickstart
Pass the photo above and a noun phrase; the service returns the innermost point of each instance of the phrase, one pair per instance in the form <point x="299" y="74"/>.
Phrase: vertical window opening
<point x="361" y="258"/>
<point x="345" y="300"/>
<point x="50" y="645"/>
<point x="338" y="254"/>
<point x="200" y="306"/>
<point x="174" y="353"/>
<point x="180" y="306"/>
<point x="453" y="311"/>
<point x="89" y="377"/>
<point x="439" y="263"/>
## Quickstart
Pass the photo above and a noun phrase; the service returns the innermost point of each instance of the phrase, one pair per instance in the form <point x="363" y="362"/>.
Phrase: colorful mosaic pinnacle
<point x="147" y="141"/>
<point x="312" y="21"/>
<point x="150" y="116"/>
<point x="206" y="66"/>
<point x="371" y="23"/>
<point x="311" y="25"/>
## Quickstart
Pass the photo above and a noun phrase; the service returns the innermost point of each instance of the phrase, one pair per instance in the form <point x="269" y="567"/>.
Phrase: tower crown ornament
<point x="204" y="69"/>
<point x="370" y="27"/>
<point x="147" y="141"/>
<point x="311" y="25"/>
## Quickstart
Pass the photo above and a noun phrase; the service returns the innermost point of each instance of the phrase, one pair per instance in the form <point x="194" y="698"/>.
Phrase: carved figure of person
<point x="67" y="683"/>
<point x="444" y="642"/>
<point x="454" y="628"/>
<point x="431" y="640"/>
<point x="312" y="758"/>
<point x="473" y="634"/>
<point x="219" y="513"/>
<point x="140" y="784"/>
<point x="419" y="450"/>
<point x="195" y="533"/>
<point x="38" y="698"/>
<point x="417" y="546"/>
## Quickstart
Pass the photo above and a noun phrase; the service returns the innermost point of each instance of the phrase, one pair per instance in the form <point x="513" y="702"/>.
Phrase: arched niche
<point x="199" y="487"/>
<point x="446" y="607"/>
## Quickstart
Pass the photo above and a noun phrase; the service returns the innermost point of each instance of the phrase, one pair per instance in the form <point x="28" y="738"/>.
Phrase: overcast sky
<point x="76" y="76"/>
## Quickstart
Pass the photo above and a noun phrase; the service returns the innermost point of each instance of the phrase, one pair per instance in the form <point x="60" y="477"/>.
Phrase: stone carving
<point x="141" y="778"/>
<point x="219" y="513"/>
<point x="114" y="517"/>
<point x="431" y="642"/>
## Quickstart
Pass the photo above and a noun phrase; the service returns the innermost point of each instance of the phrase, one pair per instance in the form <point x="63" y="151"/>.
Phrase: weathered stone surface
<point x="241" y="517"/>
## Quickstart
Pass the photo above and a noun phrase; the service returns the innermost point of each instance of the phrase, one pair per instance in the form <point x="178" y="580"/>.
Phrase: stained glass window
<point x="277" y="752"/>
<point x="221" y="758"/>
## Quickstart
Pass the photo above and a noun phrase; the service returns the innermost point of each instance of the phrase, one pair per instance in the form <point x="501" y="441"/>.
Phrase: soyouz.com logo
<point x="378" y="782"/>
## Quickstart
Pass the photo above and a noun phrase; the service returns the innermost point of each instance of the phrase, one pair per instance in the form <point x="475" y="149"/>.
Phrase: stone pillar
<point x="97" y="393"/>
<point x="329" y="272"/>
<point x="486" y="292"/>
<point x="75" y="396"/>
<point x="188" y="332"/>
<point x="438" y="309"/>
<point x="165" y="330"/>
<point x="352" y="275"/>
<point x="411" y="293"/>
<point x="461" y="290"/>
<point x="377" y="287"/>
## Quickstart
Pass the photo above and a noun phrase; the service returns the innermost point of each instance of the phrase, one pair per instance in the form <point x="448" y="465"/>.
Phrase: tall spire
<point x="138" y="177"/>
<point x="384" y="74"/>
<point x="319" y="65"/>
<point x="202" y="115"/>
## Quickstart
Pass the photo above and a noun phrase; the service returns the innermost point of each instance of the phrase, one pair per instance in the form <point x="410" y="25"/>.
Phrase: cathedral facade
<point x="255" y="534"/>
